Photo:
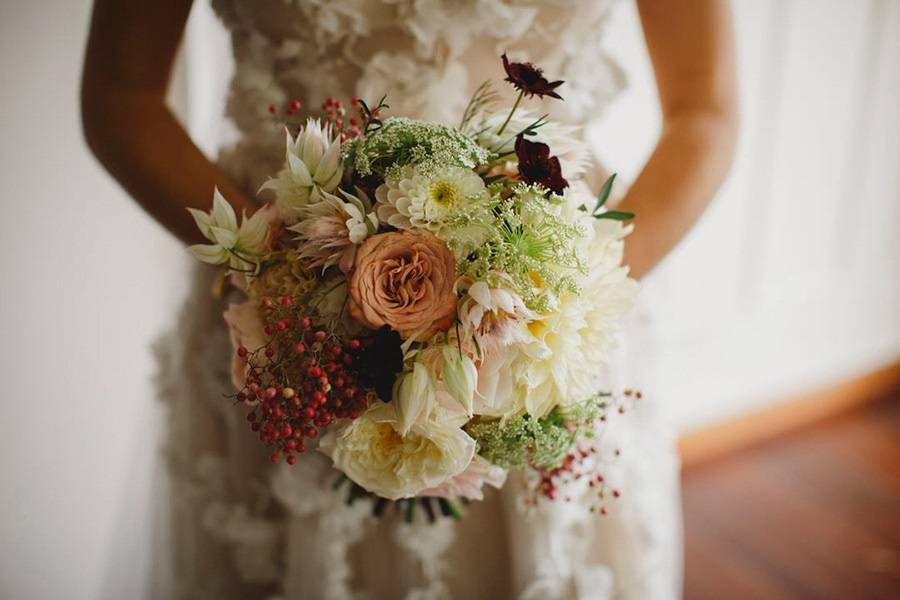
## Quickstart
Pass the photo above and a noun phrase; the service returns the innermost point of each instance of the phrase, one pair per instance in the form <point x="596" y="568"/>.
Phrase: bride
<point x="246" y="529"/>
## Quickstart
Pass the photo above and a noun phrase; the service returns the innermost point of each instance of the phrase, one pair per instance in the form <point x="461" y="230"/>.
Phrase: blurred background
<point x="783" y="305"/>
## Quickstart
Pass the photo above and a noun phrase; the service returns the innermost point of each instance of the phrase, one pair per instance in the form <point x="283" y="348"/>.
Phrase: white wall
<point x="88" y="280"/>
<point x="791" y="281"/>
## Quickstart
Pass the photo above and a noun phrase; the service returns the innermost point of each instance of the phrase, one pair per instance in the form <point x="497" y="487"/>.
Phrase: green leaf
<point x="603" y="196"/>
<point x="618" y="215"/>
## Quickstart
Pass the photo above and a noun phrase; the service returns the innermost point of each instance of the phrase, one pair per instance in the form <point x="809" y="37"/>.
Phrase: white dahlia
<point x="312" y="166"/>
<point x="577" y="337"/>
<point x="558" y="363"/>
<point x="331" y="229"/>
<point x="414" y="199"/>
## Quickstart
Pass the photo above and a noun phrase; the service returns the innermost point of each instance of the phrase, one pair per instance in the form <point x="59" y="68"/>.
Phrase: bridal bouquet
<point x="427" y="305"/>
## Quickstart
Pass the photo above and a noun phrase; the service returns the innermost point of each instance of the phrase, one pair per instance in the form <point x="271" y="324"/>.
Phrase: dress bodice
<point x="428" y="56"/>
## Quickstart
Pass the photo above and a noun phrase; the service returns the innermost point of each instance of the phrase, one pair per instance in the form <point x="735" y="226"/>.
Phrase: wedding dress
<point x="244" y="528"/>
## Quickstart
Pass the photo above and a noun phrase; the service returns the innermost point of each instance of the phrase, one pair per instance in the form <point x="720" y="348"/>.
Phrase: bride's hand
<point x="127" y="124"/>
<point x="692" y="50"/>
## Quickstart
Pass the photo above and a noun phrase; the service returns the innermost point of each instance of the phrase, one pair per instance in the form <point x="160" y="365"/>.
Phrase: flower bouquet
<point x="427" y="305"/>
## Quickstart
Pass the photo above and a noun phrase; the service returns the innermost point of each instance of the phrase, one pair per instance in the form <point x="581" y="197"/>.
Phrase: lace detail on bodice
<point x="426" y="55"/>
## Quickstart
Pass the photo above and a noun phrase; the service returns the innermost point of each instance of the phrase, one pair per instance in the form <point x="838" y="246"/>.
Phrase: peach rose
<point x="405" y="281"/>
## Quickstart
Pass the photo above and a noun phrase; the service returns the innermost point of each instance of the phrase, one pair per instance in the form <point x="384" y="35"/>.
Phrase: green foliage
<point x="544" y="443"/>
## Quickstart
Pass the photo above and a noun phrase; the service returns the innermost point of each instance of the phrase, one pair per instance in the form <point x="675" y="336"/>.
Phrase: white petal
<point x="203" y="221"/>
<point x="298" y="169"/>
<point x="209" y="253"/>
<point x="222" y="213"/>
<point x="413" y="394"/>
<point x="224" y="237"/>
<point x="328" y="166"/>
<point x="253" y="231"/>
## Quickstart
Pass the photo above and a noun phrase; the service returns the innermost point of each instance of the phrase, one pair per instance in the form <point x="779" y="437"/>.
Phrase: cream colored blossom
<point x="330" y="230"/>
<point x="490" y="316"/>
<point x="232" y="244"/>
<point x="558" y="364"/>
<point x="460" y="376"/>
<point x="371" y="451"/>
<point x="312" y="166"/>
<point x="416" y="200"/>
<point x="414" y="395"/>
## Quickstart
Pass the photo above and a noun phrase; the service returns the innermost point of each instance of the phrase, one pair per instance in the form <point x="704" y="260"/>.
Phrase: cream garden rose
<point x="373" y="454"/>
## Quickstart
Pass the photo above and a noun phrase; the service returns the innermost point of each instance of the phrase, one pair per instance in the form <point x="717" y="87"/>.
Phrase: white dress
<point x="243" y="528"/>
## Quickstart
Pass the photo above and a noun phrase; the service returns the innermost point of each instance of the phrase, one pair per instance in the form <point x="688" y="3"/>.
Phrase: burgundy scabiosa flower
<point x="536" y="166"/>
<point x="529" y="79"/>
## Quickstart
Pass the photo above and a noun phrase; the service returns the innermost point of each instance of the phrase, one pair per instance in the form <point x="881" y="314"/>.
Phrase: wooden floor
<point x="814" y="514"/>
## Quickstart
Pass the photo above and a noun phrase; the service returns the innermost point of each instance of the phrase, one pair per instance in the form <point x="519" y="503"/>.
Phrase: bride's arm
<point x="691" y="46"/>
<point x="129" y="58"/>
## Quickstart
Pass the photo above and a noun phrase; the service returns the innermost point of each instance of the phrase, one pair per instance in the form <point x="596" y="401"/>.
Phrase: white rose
<point x="373" y="454"/>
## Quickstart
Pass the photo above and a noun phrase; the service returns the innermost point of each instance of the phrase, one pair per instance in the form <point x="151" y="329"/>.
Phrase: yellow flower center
<point x="444" y="193"/>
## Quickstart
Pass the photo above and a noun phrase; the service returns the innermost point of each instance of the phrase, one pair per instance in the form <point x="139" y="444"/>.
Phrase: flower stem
<point x="512" y="112"/>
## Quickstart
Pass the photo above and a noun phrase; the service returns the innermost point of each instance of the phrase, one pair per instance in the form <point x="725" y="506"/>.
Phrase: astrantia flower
<point x="331" y="229"/>
<point x="536" y="166"/>
<point x="233" y="244"/>
<point x="529" y="79"/>
<point x="312" y="166"/>
<point x="425" y="200"/>
<point x="491" y="317"/>
<point x="371" y="451"/>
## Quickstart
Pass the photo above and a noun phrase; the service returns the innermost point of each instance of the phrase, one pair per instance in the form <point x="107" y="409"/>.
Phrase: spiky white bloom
<point x="331" y="229"/>
<point x="574" y="155"/>
<point x="414" y="394"/>
<point x="558" y="365"/>
<point x="312" y="166"/>
<point x="417" y="200"/>
<point x="460" y="376"/>
<point x="231" y="243"/>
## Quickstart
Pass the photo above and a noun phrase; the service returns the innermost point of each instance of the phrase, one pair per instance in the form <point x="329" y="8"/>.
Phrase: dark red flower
<point x="530" y="79"/>
<point x="536" y="166"/>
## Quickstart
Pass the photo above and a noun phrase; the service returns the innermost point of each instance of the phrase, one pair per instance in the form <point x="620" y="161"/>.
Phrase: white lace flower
<point x="332" y="228"/>
<point x="312" y="166"/>
<point x="416" y="200"/>
<point x="232" y="243"/>
<point x="371" y="451"/>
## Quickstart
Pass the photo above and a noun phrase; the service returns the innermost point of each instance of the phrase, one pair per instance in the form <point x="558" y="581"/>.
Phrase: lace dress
<point x="244" y="528"/>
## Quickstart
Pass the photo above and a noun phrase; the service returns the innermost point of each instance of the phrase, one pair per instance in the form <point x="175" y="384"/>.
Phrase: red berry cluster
<point x="336" y="116"/>
<point x="300" y="381"/>
<point x="552" y="481"/>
